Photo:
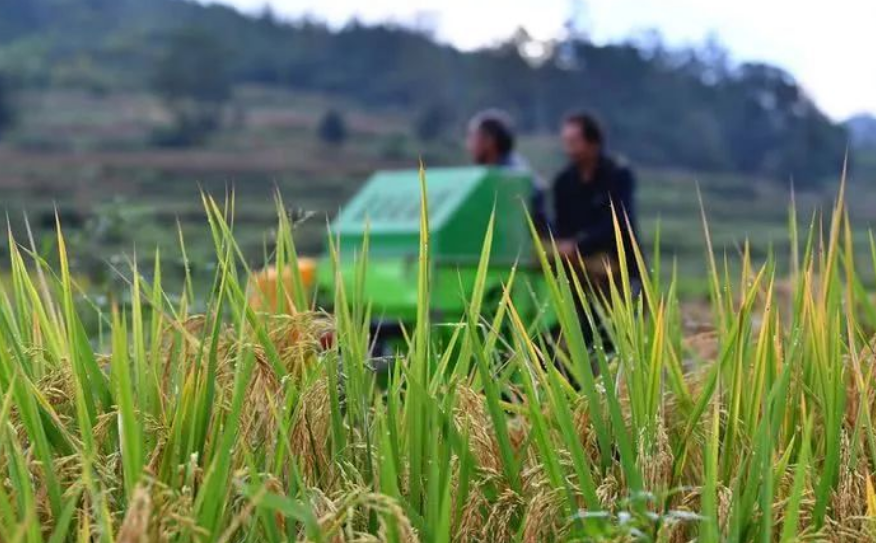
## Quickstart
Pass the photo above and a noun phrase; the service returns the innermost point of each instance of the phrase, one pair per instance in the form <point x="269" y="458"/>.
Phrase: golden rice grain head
<point x="135" y="526"/>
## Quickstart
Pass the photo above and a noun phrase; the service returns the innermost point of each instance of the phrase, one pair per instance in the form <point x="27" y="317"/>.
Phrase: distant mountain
<point x="862" y="130"/>
<point x="662" y="107"/>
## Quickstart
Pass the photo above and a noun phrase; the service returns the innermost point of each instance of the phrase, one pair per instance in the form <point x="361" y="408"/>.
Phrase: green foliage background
<point x="689" y="108"/>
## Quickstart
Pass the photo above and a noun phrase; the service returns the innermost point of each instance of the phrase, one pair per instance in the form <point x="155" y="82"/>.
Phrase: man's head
<point x="582" y="138"/>
<point x="490" y="137"/>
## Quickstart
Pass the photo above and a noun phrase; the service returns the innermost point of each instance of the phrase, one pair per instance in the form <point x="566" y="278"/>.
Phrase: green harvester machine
<point x="460" y="203"/>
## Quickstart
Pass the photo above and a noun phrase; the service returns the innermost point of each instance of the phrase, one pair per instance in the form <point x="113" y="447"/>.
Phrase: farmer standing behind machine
<point x="586" y="194"/>
<point x="491" y="142"/>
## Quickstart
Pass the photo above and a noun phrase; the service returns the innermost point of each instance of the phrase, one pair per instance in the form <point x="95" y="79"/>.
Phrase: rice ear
<point x="136" y="525"/>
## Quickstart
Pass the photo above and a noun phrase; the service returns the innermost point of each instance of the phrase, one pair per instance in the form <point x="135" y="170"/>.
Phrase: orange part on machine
<point x="264" y="292"/>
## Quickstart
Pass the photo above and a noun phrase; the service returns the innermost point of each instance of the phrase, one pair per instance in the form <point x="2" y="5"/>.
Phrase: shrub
<point x="332" y="128"/>
<point x="433" y="122"/>
<point x="6" y="112"/>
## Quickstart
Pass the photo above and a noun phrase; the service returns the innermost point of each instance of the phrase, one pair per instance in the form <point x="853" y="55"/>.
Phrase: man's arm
<point x="539" y="202"/>
<point x="558" y="207"/>
<point x="539" y="196"/>
<point x="601" y="234"/>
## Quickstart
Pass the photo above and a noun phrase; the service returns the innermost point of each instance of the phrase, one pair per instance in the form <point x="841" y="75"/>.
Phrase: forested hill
<point x="662" y="107"/>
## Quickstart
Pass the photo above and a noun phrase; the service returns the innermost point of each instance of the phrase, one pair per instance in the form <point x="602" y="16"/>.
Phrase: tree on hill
<point x="19" y="18"/>
<point x="333" y="128"/>
<point x="662" y="106"/>
<point x="6" y="114"/>
<point x="433" y="122"/>
<point x="192" y="80"/>
<point x="862" y="131"/>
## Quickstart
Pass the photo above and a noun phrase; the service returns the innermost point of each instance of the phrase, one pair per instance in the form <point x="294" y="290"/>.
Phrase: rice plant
<point x="240" y="424"/>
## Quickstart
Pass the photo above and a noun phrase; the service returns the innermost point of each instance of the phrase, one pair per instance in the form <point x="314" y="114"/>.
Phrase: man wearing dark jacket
<point x="584" y="195"/>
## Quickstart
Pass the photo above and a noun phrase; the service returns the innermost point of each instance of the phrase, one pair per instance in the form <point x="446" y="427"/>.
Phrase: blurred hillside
<point x="87" y="157"/>
<point x="117" y="113"/>
<point x="681" y="108"/>
<point x="862" y="130"/>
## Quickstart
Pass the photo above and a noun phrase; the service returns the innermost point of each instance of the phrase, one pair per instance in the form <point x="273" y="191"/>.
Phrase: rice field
<point x="230" y="424"/>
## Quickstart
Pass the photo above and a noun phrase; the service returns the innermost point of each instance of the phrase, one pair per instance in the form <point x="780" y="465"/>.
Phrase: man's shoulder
<point x="519" y="163"/>
<point x="618" y="163"/>
<point x="568" y="173"/>
<point x="620" y="168"/>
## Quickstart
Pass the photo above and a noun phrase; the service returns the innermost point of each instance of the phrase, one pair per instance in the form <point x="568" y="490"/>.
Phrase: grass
<point x="229" y="424"/>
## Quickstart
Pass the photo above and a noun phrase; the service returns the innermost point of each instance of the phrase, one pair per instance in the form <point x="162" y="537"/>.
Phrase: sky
<point x="827" y="46"/>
